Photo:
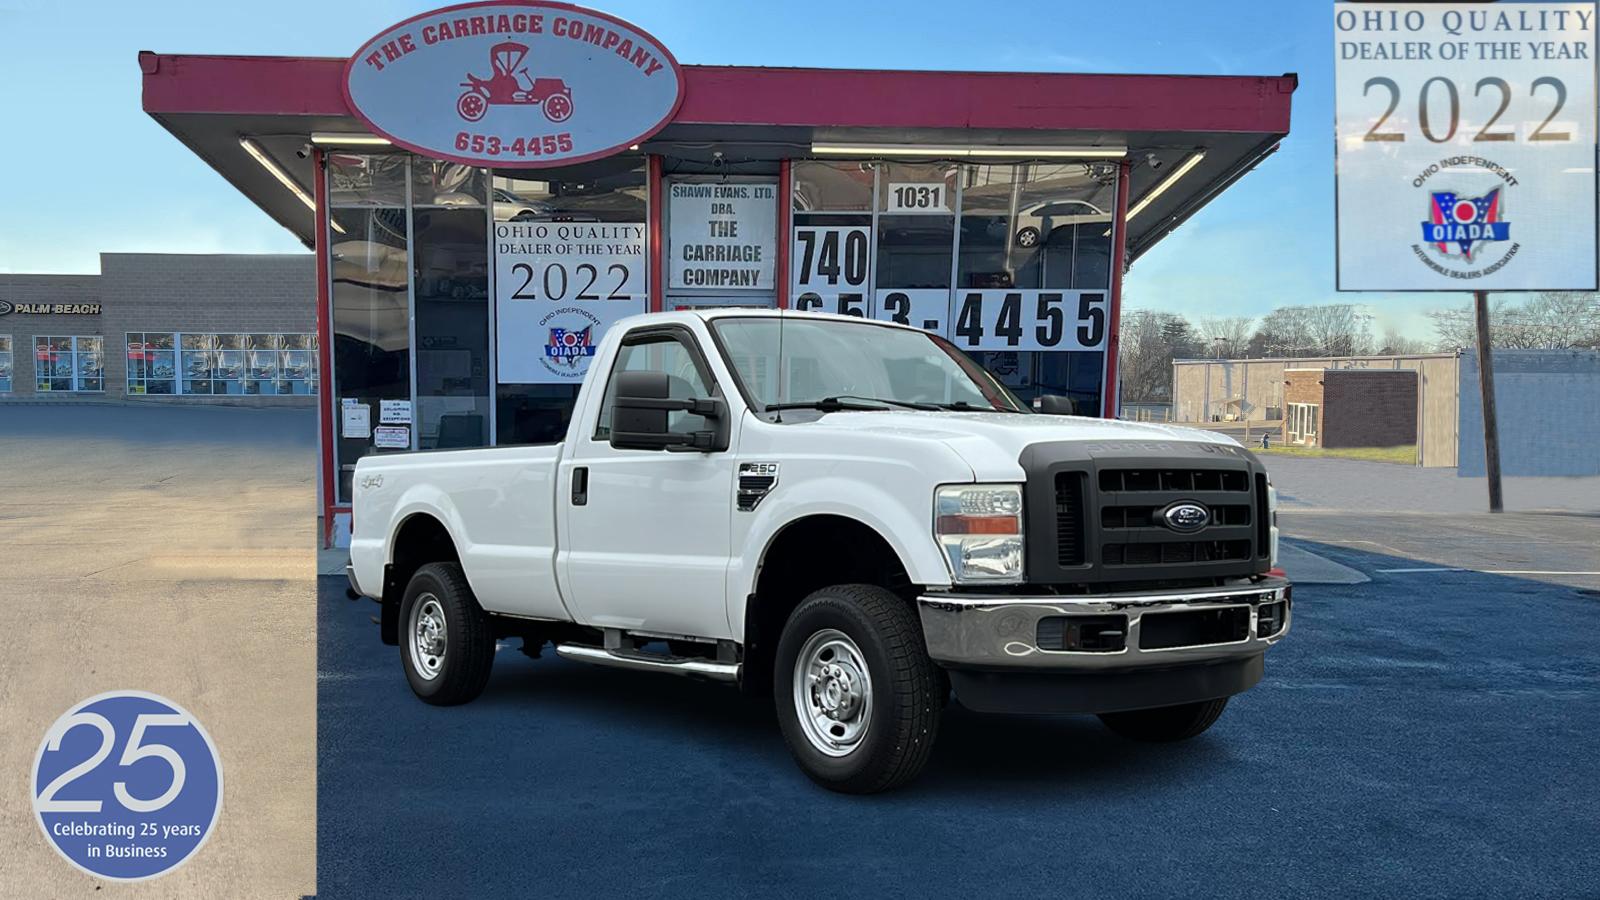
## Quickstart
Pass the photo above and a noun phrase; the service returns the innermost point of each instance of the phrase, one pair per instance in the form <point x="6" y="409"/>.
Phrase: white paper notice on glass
<point x="355" y="419"/>
<point x="392" y="437"/>
<point x="394" y="412"/>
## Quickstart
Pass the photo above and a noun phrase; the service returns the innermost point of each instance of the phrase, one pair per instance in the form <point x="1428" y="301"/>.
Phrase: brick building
<point x="1350" y="407"/>
<point x="179" y="328"/>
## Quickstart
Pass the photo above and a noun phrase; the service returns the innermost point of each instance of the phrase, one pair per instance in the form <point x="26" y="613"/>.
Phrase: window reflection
<point x="369" y="275"/>
<point x="452" y="302"/>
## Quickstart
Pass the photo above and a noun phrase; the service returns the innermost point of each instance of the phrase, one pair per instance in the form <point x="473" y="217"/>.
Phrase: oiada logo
<point x="570" y="342"/>
<point x="1466" y="236"/>
<point x="515" y="83"/>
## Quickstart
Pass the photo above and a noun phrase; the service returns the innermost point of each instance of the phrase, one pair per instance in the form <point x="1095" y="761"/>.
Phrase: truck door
<point x="647" y="531"/>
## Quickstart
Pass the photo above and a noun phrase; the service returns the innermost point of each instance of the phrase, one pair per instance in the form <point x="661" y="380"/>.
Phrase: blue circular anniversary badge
<point x="127" y="785"/>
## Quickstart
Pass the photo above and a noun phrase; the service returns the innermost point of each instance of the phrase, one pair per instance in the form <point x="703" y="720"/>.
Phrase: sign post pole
<point x="1491" y="427"/>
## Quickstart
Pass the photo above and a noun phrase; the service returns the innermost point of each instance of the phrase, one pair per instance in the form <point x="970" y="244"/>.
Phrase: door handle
<point x="580" y="486"/>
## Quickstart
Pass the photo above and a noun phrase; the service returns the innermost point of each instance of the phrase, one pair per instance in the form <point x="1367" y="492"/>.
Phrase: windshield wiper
<point x="849" y="402"/>
<point x="964" y="406"/>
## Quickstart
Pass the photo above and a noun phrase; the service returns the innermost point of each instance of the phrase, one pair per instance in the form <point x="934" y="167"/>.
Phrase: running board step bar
<point x="650" y="662"/>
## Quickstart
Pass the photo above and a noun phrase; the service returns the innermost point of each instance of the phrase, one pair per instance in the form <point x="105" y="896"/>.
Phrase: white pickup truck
<point x="852" y="515"/>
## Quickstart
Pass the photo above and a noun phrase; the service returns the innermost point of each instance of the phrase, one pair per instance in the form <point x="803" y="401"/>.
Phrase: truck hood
<point x="992" y="442"/>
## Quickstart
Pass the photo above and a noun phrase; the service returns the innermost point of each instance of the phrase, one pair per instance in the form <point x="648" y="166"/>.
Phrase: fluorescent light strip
<point x="1169" y="181"/>
<point x="260" y="156"/>
<point x="968" y="152"/>
<point x="342" y="139"/>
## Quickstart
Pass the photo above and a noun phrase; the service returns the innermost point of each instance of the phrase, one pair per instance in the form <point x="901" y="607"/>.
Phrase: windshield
<point x="824" y="359"/>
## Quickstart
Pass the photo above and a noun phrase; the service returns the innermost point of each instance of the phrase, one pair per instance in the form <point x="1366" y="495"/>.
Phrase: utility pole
<point x="1491" y="427"/>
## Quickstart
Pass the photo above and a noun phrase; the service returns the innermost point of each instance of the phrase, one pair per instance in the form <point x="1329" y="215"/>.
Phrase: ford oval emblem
<point x="1186" y="517"/>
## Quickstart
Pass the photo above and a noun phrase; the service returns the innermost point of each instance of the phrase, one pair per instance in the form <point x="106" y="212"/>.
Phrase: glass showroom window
<point x="5" y="363"/>
<point x="831" y="241"/>
<point x="227" y="364"/>
<point x="1041" y="231"/>
<point x="68" y="364"/>
<point x="152" y="362"/>
<point x="612" y="191"/>
<point x="369" y="272"/>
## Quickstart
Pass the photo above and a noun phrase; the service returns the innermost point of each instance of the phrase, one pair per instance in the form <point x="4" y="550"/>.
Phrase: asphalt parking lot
<point x="1428" y="732"/>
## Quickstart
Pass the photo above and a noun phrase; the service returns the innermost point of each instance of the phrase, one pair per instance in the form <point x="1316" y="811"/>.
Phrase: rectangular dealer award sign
<point x="558" y="287"/>
<point x="1465" y="155"/>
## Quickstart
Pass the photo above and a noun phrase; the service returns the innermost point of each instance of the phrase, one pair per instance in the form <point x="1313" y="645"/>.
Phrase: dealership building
<point x="488" y="187"/>
<point x="164" y="328"/>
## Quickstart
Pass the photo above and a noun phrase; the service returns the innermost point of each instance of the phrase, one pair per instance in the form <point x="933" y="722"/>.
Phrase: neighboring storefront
<point x="238" y="329"/>
<point x="1338" y="408"/>
<point x="490" y="187"/>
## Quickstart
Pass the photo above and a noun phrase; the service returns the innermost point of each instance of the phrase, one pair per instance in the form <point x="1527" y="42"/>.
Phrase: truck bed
<point x="498" y="503"/>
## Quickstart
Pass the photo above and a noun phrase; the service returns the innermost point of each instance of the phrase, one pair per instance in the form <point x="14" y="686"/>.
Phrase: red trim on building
<point x="1119" y="258"/>
<point x="835" y="98"/>
<point x="658" y="253"/>
<point x="325" y="389"/>
<point x="785" y="212"/>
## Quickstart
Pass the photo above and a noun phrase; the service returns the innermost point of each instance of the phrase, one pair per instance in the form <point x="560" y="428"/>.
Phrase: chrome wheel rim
<point x="832" y="692"/>
<point x="428" y="637"/>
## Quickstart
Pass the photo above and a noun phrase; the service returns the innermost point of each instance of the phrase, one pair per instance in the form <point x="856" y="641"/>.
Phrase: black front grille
<point x="1172" y="552"/>
<point x="1110" y="512"/>
<point x="1069" y="519"/>
<point x="1168" y="480"/>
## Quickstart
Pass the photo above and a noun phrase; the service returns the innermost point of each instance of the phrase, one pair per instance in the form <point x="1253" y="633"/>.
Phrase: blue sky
<point x="87" y="170"/>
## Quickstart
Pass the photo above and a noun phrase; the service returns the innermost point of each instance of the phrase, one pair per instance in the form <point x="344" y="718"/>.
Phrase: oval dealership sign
<point x="514" y="84"/>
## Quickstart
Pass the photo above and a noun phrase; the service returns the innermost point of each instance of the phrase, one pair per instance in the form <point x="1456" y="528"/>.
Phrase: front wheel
<point x="446" y="644"/>
<point x="857" y="696"/>
<point x="1166" y="723"/>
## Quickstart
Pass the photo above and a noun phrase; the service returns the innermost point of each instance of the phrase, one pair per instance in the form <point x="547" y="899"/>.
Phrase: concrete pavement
<point x="169" y="550"/>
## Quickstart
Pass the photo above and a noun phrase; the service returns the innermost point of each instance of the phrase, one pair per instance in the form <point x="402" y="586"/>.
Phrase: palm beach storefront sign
<point x="514" y="84"/>
<point x="49" y="309"/>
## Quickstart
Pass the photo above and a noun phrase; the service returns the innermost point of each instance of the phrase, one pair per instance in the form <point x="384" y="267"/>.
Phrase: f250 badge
<point x="756" y="481"/>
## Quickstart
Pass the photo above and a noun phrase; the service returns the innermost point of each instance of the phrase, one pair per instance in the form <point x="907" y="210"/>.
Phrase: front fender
<point x="907" y="528"/>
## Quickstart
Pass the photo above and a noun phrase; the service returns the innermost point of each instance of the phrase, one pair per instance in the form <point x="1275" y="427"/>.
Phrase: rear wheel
<point x="858" y="697"/>
<point x="446" y="645"/>
<point x="1166" y="723"/>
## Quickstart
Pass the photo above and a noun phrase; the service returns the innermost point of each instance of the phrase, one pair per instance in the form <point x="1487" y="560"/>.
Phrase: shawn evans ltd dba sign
<point x="514" y="84"/>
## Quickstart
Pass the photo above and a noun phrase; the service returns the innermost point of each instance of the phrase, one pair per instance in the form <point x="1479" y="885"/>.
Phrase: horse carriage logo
<point x="511" y="85"/>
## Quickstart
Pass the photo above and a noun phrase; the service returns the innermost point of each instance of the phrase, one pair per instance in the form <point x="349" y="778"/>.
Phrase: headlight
<point x="979" y="526"/>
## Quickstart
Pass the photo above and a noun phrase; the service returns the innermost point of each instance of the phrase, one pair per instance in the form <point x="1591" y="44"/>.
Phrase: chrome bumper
<point x="989" y="632"/>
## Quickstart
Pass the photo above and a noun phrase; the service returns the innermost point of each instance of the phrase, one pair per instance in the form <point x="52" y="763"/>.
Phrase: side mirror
<point x="1057" y="405"/>
<point x="639" y="415"/>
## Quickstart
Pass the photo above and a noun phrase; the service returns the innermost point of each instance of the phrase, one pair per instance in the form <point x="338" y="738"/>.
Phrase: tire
<point x="437" y="600"/>
<point x="1166" y="723"/>
<point x="1028" y="237"/>
<point x="883" y="735"/>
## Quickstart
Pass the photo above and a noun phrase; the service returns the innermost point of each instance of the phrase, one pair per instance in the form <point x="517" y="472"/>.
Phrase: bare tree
<point x="1150" y="341"/>
<point x="1227" y="335"/>
<point x="1552" y="320"/>
<point x="1396" y="344"/>
<point x="1337" y="329"/>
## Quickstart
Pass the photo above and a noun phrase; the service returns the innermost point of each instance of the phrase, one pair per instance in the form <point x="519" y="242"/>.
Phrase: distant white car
<point x="1038" y="220"/>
